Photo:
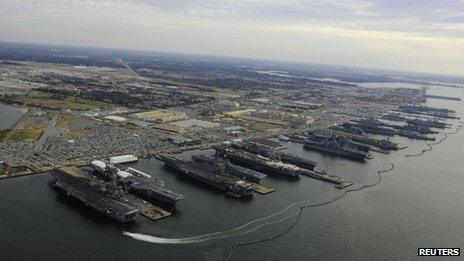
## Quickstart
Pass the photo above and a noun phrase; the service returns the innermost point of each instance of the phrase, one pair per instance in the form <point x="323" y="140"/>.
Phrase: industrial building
<point x="123" y="159"/>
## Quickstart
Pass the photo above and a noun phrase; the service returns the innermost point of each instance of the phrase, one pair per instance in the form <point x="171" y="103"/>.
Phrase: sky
<point x="409" y="35"/>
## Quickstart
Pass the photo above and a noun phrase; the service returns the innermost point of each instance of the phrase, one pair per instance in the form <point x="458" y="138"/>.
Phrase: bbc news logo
<point x="439" y="252"/>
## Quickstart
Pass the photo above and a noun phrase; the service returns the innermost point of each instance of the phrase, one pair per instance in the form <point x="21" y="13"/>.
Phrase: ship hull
<point x="347" y="155"/>
<point x="220" y="182"/>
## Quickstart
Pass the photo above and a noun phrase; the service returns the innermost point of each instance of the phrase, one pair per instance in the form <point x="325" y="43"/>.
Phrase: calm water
<point x="9" y="115"/>
<point x="418" y="204"/>
<point x="391" y="85"/>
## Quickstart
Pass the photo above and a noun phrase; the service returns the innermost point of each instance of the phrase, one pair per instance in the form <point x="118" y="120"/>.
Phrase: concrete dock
<point x="263" y="190"/>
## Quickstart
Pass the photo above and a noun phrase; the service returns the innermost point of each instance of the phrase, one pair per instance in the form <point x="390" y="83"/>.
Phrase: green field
<point x="46" y="101"/>
<point x="7" y="171"/>
<point x="25" y="135"/>
<point x="3" y="134"/>
<point x="264" y="126"/>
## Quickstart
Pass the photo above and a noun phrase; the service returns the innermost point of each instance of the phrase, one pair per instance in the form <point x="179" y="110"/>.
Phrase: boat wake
<point x="254" y="224"/>
<point x="258" y="223"/>
<point x="246" y="228"/>
<point x="162" y="240"/>
<point x="266" y="221"/>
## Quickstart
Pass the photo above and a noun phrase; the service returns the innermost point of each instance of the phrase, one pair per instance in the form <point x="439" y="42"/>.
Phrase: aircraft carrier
<point x="223" y="165"/>
<point x="382" y="144"/>
<point x="334" y="145"/>
<point x="371" y="128"/>
<point x="298" y="161"/>
<point x="408" y="127"/>
<point x="394" y="117"/>
<point x="93" y="196"/>
<point x="413" y="135"/>
<point x="443" y="115"/>
<point x="419" y="108"/>
<point x="148" y="190"/>
<point x="137" y="183"/>
<point x="231" y="185"/>
<point x="429" y="111"/>
<point x="415" y="128"/>
<point x="428" y="123"/>
<point x="257" y="162"/>
<point x="273" y="154"/>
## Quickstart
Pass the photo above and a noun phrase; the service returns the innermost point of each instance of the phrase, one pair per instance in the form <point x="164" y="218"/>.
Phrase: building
<point x="183" y="141"/>
<point x="192" y="123"/>
<point x="123" y="159"/>
<point x="160" y="116"/>
<point x="302" y="105"/>
<point x="115" y="118"/>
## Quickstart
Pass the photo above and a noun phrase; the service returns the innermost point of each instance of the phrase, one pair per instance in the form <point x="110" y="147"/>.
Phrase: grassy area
<point x="43" y="100"/>
<point x="74" y="134"/>
<point x="264" y="126"/>
<point x="160" y="116"/>
<point x="168" y="127"/>
<point x="25" y="135"/>
<point x="3" y="134"/>
<point x="63" y="122"/>
<point x="7" y="171"/>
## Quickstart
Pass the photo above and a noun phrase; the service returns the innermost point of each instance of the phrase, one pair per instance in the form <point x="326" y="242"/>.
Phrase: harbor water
<point x="9" y="115"/>
<point x="417" y="204"/>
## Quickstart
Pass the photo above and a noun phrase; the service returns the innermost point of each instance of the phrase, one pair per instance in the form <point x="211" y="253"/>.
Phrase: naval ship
<point x="225" y="166"/>
<point x="137" y="183"/>
<point x="371" y="125"/>
<point x="93" y="196"/>
<point x="273" y="154"/>
<point x="428" y="123"/>
<point x="257" y="162"/>
<point x="334" y="146"/>
<point x="230" y="185"/>
<point x="144" y="188"/>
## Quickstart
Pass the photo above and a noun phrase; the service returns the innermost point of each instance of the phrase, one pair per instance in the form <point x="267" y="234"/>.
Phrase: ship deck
<point x="145" y="208"/>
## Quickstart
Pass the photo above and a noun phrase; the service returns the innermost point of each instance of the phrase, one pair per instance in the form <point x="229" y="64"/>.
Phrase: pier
<point x="443" y="97"/>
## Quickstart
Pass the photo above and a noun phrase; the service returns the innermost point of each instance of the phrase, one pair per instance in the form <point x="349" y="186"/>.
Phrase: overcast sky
<point x="413" y="35"/>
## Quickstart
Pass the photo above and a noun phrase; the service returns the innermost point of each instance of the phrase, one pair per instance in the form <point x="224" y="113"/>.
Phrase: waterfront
<point x="9" y="115"/>
<point x="416" y="205"/>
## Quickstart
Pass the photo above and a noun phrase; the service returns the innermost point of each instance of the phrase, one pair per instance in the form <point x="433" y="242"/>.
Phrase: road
<point x="38" y="146"/>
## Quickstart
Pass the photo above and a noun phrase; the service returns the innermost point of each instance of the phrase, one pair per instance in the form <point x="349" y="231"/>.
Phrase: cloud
<point x="424" y="35"/>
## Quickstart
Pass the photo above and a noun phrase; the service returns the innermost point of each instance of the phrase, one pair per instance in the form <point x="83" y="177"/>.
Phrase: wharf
<point x="77" y="172"/>
<point x="145" y="208"/>
<point x="263" y="190"/>
<point x="443" y="97"/>
<point x="339" y="182"/>
<point x="268" y="143"/>
<point x="344" y="185"/>
<point x="374" y="149"/>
